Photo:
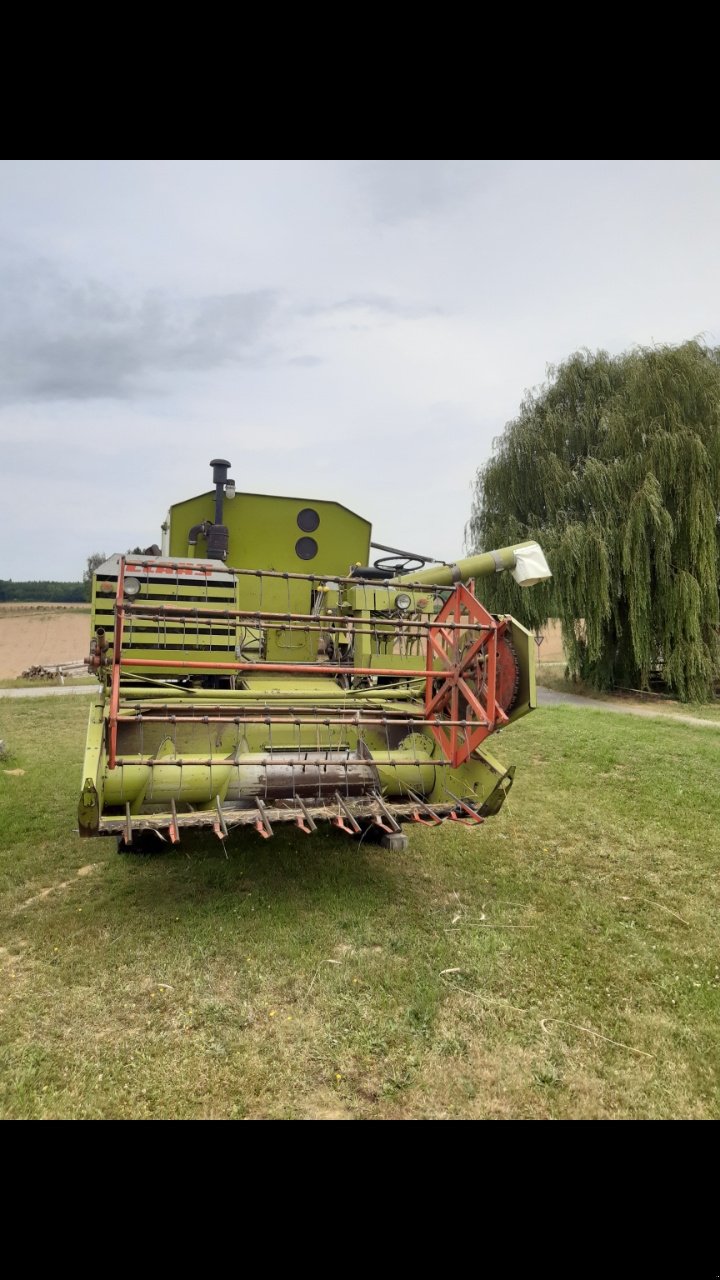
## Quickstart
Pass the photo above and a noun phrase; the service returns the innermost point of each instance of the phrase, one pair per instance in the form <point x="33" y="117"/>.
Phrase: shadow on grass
<point x="307" y="871"/>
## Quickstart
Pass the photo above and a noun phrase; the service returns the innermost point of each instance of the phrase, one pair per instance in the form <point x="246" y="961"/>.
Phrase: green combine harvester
<point x="258" y="669"/>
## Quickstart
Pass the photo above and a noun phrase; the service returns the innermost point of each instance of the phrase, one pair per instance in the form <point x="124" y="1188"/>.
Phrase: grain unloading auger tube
<point x="249" y="697"/>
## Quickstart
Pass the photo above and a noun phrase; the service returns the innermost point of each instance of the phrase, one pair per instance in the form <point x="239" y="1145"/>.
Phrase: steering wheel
<point x="398" y="564"/>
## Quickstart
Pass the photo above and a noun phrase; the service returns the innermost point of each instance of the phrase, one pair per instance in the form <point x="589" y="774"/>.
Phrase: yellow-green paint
<point x="263" y="533"/>
<point x="226" y="762"/>
<point x="93" y="771"/>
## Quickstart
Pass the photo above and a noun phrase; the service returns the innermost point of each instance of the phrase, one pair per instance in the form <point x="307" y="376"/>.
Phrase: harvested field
<point x="41" y="635"/>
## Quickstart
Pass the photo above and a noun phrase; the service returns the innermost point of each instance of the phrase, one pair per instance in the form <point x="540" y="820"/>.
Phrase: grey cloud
<point x="379" y="304"/>
<point x="401" y="189"/>
<point x="305" y="362"/>
<point x="61" y="340"/>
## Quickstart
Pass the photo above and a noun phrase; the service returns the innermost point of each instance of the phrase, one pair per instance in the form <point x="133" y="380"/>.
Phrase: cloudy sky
<point x="350" y="329"/>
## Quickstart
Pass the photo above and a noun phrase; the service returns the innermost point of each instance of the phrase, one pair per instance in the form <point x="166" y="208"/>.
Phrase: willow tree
<point x="614" y="467"/>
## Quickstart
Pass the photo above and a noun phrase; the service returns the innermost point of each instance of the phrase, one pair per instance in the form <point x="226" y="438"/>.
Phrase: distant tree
<point x="97" y="558"/>
<point x="43" y="592"/>
<point x="614" y="467"/>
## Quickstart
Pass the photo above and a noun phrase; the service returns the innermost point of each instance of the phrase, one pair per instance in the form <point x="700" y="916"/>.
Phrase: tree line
<point x="47" y="592"/>
<point x="53" y="592"/>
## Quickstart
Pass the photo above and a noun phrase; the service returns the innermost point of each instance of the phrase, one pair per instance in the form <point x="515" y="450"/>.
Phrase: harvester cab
<point x="259" y="670"/>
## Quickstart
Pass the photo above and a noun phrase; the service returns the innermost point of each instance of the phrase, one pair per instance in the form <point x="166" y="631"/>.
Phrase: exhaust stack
<point x="216" y="533"/>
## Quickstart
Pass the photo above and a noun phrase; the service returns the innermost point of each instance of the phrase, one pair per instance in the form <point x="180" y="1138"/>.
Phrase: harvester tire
<point x="395" y="843"/>
<point x="144" y="844"/>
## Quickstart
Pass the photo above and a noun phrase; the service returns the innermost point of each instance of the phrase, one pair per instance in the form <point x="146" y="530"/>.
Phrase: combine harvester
<point x="258" y="670"/>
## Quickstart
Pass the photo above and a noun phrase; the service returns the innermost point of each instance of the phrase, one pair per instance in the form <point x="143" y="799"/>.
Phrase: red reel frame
<point x="459" y="688"/>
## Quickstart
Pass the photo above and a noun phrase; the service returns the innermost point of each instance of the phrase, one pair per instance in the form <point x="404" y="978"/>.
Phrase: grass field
<point x="562" y="961"/>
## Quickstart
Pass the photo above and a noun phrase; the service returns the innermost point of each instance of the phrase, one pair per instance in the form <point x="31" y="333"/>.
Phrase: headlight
<point x="131" y="586"/>
<point x="403" y="602"/>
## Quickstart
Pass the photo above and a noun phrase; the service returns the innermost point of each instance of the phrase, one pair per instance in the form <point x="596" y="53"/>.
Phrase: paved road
<point x="55" y="691"/>
<point x="550" y="697"/>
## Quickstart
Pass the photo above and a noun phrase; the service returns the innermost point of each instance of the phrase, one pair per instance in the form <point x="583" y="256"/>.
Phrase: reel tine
<point x="354" y="828"/>
<point x="304" y="822"/>
<point x="394" y="827"/>
<point x="476" y="820"/>
<point x="173" y="829"/>
<point x="220" y="827"/>
<point x="437" y="821"/>
<point x="262" y="824"/>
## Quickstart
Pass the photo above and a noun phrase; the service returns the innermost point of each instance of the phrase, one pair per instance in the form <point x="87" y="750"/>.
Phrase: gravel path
<point x="55" y="691"/>
<point x="551" y="698"/>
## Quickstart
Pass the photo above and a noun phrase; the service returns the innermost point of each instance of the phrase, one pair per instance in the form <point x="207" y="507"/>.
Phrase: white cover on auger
<point x="530" y="565"/>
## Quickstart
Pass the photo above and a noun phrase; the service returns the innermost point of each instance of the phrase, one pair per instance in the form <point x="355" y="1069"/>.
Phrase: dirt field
<point x="41" y="635"/>
<point x="46" y="634"/>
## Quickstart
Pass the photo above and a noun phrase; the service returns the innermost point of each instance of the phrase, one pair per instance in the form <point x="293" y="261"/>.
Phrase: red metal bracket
<point x="339" y="822"/>
<point x="378" y="822"/>
<point x="415" y="817"/>
<point x="475" y="819"/>
<point x="463" y="822"/>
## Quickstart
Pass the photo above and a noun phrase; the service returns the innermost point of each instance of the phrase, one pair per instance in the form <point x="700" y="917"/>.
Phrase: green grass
<point x="305" y="977"/>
